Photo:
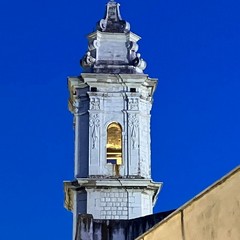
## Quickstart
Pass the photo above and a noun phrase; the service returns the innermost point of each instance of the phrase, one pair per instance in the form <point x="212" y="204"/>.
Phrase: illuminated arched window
<point x="114" y="143"/>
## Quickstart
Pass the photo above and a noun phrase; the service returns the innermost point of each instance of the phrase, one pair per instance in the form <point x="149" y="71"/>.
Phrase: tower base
<point x="111" y="198"/>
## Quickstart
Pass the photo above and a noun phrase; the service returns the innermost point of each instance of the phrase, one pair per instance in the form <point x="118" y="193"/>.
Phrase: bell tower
<point x="111" y="102"/>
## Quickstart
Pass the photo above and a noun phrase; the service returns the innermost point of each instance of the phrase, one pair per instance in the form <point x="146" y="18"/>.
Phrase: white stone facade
<point x="111" y="101"/>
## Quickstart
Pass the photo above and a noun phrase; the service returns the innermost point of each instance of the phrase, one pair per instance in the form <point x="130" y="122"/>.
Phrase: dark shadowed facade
<point x="89" y="228"/>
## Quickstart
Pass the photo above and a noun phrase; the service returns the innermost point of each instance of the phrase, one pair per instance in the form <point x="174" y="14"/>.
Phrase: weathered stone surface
<point x="94" y="229"/>
<point x="111" y="198"/>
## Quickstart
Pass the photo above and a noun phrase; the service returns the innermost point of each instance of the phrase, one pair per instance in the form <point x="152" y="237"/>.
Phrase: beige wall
<point x="212" y="215"/>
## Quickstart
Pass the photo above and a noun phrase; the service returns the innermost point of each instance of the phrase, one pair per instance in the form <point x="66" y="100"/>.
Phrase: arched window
<point x="114" y="143"/>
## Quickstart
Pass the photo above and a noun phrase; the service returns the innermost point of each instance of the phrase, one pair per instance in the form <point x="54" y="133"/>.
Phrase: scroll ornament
<point x="87" y="61"/>
<point x="135" y="57"/>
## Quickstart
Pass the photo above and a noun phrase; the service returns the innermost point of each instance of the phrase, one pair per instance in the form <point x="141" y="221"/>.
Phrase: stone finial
<point x="112" y="21"/>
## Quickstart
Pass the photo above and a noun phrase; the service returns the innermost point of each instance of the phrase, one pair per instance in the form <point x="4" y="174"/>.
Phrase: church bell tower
<point x="111" y="102"/>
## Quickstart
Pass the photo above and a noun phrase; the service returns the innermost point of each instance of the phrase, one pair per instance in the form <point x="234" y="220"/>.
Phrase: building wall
<point x="99" y="229"/>
<point x="212" y="215"/>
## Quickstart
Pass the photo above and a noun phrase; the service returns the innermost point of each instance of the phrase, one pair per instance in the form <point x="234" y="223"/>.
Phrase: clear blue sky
<point x="191" y="46"/>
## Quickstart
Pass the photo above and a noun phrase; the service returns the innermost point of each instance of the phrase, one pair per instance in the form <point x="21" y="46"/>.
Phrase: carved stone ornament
<point x="94" y="124"/>
<point x="93" y="45"/>
<point x="132" y="46"/>
<point x="133" y="104"/>
<point x="87" y="61"/>
<point x="135" y="57"/>
<point x="133" y="124"/>
<point x="95" y="104"/>
<point x="139" y="62"/>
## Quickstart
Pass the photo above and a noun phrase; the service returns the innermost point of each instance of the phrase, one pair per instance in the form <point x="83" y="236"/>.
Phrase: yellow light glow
<point x="114" y="142"/>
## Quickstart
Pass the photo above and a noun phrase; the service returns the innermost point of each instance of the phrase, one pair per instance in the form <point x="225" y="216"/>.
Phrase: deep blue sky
<point x="193" y="47"/>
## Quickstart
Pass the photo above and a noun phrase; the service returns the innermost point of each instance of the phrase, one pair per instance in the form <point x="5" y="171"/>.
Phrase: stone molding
<point x="81" y="184"/>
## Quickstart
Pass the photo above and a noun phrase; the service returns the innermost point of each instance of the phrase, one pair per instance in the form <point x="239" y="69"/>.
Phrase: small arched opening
<point x="114" y="146"/>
